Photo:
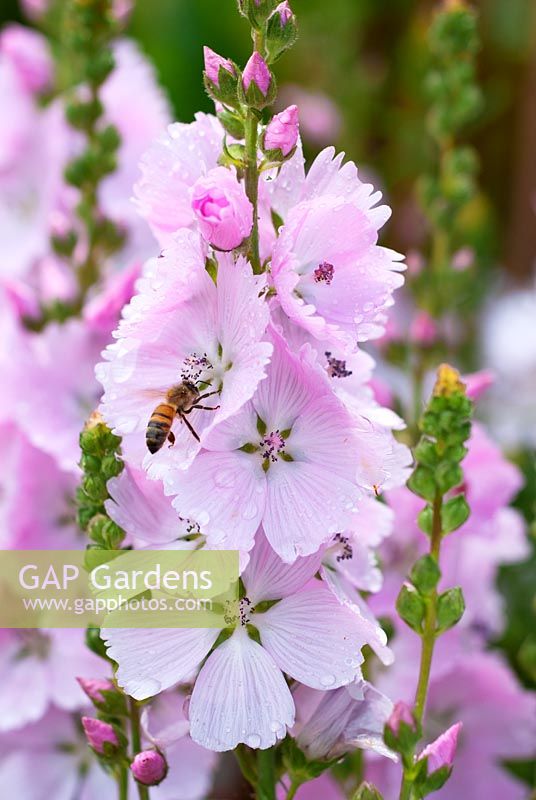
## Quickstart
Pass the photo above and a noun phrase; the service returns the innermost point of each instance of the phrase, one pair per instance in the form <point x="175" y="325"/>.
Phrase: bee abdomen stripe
<point x="163" y="426"/>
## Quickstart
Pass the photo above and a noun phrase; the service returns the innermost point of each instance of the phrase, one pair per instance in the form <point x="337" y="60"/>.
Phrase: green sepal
<point x="410" y="607"/>
<point x="422" y="483"/>
<point x="450" y="608"/>
<point x="454" y="513"/>
<point x="367" y="792"/>
<point x="425" y="574"/>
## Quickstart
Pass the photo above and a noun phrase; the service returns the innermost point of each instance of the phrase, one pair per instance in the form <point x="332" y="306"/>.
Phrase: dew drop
<point x="327" y="680"/>
<point x="253" y="740"/>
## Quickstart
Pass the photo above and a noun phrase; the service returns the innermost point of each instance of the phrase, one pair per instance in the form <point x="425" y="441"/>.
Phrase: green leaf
<point x="411" y="607"/>
<point x="425" y="574"/>
<point x="454" y="513"/>
<point x="450" y="608"/>
<point x="367" y="792"/>
<point x="426" y="520"/>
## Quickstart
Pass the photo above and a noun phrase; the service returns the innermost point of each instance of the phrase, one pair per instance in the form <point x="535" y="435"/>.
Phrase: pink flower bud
<point x="35" y="9"/>
<point x="256" y="71"/>
<point x="282" y="131"/>
<point x="98" y="733"/>
<point x="149" y="767"/>
<point x="222" y="209"/>
<point x="463" y="259"/>
<point x="441" y="751"/>
<point x="400" y="713"/>
<point x="28" y="53"/>
<point x="213" y="62"/>
<point x="93" y="688"/>
<point x="285" y="12"/>
<point x="477" y="383"/>
<point x="423" y="329"/>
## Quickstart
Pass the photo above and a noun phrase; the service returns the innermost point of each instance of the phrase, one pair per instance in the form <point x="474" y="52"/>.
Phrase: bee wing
<point x="158" y="395"/>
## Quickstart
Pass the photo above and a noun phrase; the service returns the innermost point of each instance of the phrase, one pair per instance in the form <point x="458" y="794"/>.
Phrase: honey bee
<point x="180" y="400"/>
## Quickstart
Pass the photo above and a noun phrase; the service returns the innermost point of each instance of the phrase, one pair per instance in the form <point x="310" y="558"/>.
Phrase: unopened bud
<point x="100" y="735"/>
<point x="221" y="77"/>
<point x="281" y="30"/>
<point x="282" y="132"/>
<point x="93" y="688"/>
<point x="402" y="731"/>
<point x="448" y="381"/>
<point x="257" y="82"/>
<point x="149" y="767"/>
<point x="440" y="753"/>
<point x="213" y="62"/>
<point x="401" y="713"/>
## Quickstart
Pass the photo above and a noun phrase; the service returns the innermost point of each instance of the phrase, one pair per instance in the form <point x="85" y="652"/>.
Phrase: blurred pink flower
<point x="222" y="209"/>
<point x="319" y="116"/>
<point x="29" y="54"/>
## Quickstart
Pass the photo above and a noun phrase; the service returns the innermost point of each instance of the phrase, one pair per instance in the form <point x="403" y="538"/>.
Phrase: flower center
<point x="212" y="206"/>
<point x="238" y="613"/>
<point x="193" y="367"/>
<point x="324" y="273"/>
<point x="336" y="367"/>
<point x="344" y="548"/>
<point x="271" y="445"/>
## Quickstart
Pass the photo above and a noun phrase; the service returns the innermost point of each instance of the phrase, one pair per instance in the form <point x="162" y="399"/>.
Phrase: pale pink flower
<point x="329" y="724"/>
<point x="307" y="634"/>
<point x="288" y="459"/>
<point x="170" y="168"/>
<point x="206" y="333"/>
<point x="222" y="210"/>
<point x="330" y="275"/>
<point x="38" y="669"/>
<point x="478" y="383"/>
<point x="257" y="72"/>
<point x="423" y="329"/>
<point x="29" y="54"/>
<point x="282" y="131"/>
<point x="213" y="62"/>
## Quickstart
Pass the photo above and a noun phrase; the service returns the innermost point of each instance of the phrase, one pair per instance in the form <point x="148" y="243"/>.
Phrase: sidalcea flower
<point x="149" y="767"/>
<point x="256" y="71"/>
<point x="30" y="56"/>
<point x="182" y="327"/>
<point x="100" y="735"/>
<point x="304" y="633"/>
<point x="282" y="131"/>
<point x="222" y="209"/>
<point x="170" y="168"/>
<point x="46" y="664"/>
<point x="331" y="276"/>
<point x="213" y="63"/>
<point x="288" y="459"/>
<point x="329" y="724"/>
<point x="440" y="753"/>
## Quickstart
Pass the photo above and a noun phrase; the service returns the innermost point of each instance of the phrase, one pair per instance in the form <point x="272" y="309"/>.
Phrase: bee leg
<point x="208" y="394"/>
<point x="202" y="408"/>
<point x="194" y="434"/>
<point x="171" y="439"/>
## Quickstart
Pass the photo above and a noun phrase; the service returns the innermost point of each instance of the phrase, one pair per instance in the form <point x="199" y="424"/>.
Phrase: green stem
<point x="427" y="647"/>
<point x="246" y="763"/>
<point x="267" y="779"/>
<point x="294" y="786"/>
<point x="135" y="735"/>
<point x="122" y="783"/>
<point x="252" y="187"/>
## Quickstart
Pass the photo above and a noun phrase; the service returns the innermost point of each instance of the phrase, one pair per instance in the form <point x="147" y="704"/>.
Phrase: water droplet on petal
<point x="253" y="740"/>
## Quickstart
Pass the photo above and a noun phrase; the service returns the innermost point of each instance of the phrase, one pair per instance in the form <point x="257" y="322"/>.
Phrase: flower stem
<point x="266" y="770"/>
<point x="252" y="187"/>
<point x="294" y="786"/>
<point x="143" y="791"/>
<point x="122" y="783"/>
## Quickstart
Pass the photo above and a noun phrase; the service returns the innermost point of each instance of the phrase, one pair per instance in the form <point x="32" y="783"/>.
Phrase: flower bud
<point x="401" y="732"/>
<point x="221" y="77"/>
<point x="100" y="735"/>
<point x="222" y="209"/>
<point x="93" y="688"/>
<point x="401" y="713"/>
<point x="257" y="82"/>
<point x="440" y="753"/>
<point x="477" y="383"/>
<point x="281" y="30"/>
<point x="282" y="132"/>
<point x="149" y="767"/>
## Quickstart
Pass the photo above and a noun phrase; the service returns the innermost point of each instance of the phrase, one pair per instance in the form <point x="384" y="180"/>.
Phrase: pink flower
<point x="99" y="734"/>
<point x="29" y="54"/>
<point x="331" y="276"/>
<point x="423" y="329"/>
<point x="186" y="329"/>
<point x="213" y="62"/>
<point x="440" y="753"/>
<point x="329" y="724"/>
<point x="320" y="119"/>
<point x="256" y="71"/>
<point x="282" y="131"/>
<point x="94" y="686"/>
<point x="477" y="383"/>
<point x="288" y="459"/>
<point x="170" y="168"/>
<point x="306" y="634"/>
<point x="149" y="767"/>
<point x="222" y="209"/>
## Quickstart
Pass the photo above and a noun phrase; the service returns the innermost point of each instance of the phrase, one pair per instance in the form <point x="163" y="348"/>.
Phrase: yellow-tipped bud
<point x="448" y="382"/>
